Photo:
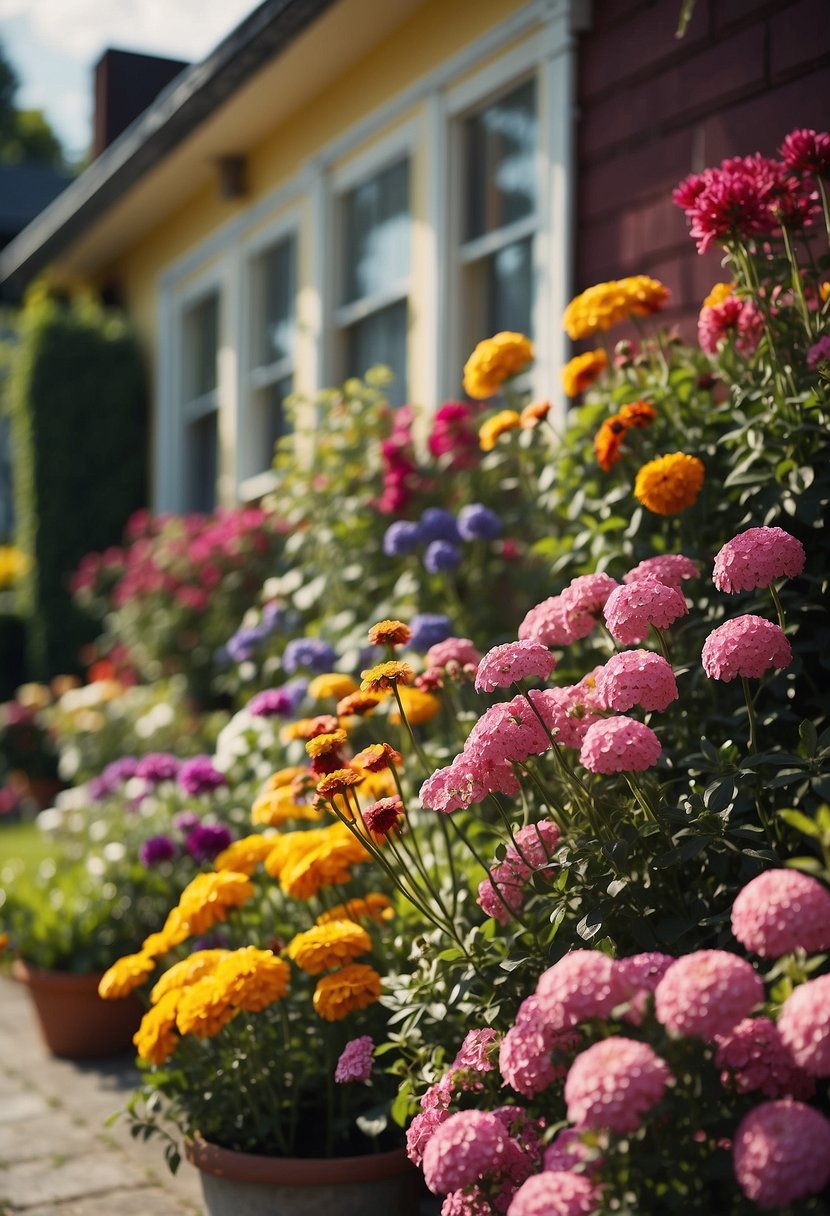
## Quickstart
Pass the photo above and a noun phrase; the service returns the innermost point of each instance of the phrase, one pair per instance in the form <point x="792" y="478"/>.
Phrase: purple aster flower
<point x="206" y="841"/>
<point x="155" y="850"/>
<point x="272" y="703"/>
<point x="112" y="776"/>
<point x="198" y="776"/>
<point x="438" y="524"/>
<point x="185" y="821"/>
<point x="400" y="538"/>
<point x="157" y="767"/>
<point x="428" y="629"/>
<point x="477" y="522"/>
<point x="272" y="617"/>
<point x="441" y="555"/>
<point x="244" y="644"/>
<point x="315" y="654"/>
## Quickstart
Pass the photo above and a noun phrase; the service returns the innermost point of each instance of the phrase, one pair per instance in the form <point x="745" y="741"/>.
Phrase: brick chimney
<point x="126" y="83"/>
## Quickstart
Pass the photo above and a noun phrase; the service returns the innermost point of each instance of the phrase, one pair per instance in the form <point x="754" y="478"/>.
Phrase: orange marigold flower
<point x="534" y="413"/>
<point x="384" y="675"/>
<point x="607" y="304"/>
<point x="252" y="979"/>
<point x="202" y="1009"/>
<point x="373" y="907"/>
<point x="244" y="855"/>
<point x="327" y="946"/>
<point x="824" y="290"/>
<point x="323" y="745"/>
<point x="304" y="871"/>
<point x="331" y="685"/>
<point x="277" y="807"/>
<point x="307" y="728"/>
<point x="358" y="704"/>
<point x="156" y="1038"/>
<point x="207" y="899"/>
<point x="493" y="361"/>
<point x="337" y="782"/>
<point x="580" y="372"/>
<point x="419" y="706"/>
<point x="719" y="293"/>
<point x="125" y="975"/>
<point x="637" y="413"/>
<point x="174" y="932"/>
<point x="283" y="776"/>
<point x="186" y="972"/>
<point x="377" y="756"/>
<point x="608" y="441"/>
<point x="390" y="633"/>
<point x="339" y="994"/>
<point x="502" y="422"/>
<point x="670" y="483"/>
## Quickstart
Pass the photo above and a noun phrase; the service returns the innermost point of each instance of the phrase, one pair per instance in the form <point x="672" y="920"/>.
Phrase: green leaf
<point x="808" y="735"/>
<point x="801" y="822"/>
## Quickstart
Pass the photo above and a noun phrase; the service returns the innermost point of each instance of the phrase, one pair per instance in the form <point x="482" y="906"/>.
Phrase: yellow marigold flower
<point x="186" y="972"/>
<point x="284" y="776"/>
<point x="373" y="906"/>
<point x="307" y="728"/>
<point x="384" y="675"/>
<point x="645" y="295"/>
<point x="244" y="855"/>
<point x="502" y="422"/>
<point x="607" y="304"/>
<point x="580" y="372"/>
<point x="377" y="756"/>
<point x="174" y="932"/>
<point x="670" y="483"/>
<point x="252" y="979"/>
<point x="202" y="1009"/>
<point x="377" y="785"/>
<point x="333" y="685"/>
<point x="534" y="413"/>
<point x="390" y="633"/>
<point x="328" y="946"/>
<point x="719" y="293"/>
<point x="824" y="290"/>
<point x="156" y="1038"/>
<point x="207" y="899"/>
<point x="359" y="704"/>
<point x="418" y="705"/>
<point x="321" y="745"/>
<point x="493" y="361"/>
<point x="13" y="565"/>
<point x="337" y="781"/>
<point x="339" y="994"/>
<point x="125" y="975"/>
<point x="305" y="869"/>
<point x="275" y="807"/>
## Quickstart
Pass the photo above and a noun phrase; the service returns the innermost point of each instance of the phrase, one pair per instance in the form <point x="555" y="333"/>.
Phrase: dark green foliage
<point x="78" y="399"/>
<point x="12" y="654"/>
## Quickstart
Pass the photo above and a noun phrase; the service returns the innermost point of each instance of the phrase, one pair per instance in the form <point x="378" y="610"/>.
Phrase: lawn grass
<point x="23" y="842"/>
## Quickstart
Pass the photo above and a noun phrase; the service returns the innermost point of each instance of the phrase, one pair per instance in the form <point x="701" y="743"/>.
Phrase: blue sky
<point x="53" y="46"/>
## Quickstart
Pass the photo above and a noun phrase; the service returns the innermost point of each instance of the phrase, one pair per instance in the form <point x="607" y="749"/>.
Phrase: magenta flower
<point x="734" y="319"/>
<point x="755" y="1059"/>
<point x="807" y="151"/>
<point x="568" y="712"/>
<point x="756" y="558"/>
<point x="639" y="975"/>
<point x="619" y="745"/>
<point x="505" y="665"/>
<point x="706" y="993"/>
<point x="819" y="352"/>
<point x="746" y="646"/>
<point x="636" y="677"/>
<point x="475" y="1052"/>
<point x="355" y="1062"/>
<point x="781" y="1153"/>
<point x="669" y="568"/>
<point x="614" y="1083"/>
<point x="781" y="911"/>
<point x="804" y="1025"/>
<point x="509" y="731"/>
<point x="383" y="816"/>
<point x="548" y="623"/>
<point x="533" y="1054"/>
<point x="584" y="599"/>
<point x="453" y="650"/>
<point x="555" y="1193"/>
<point x="584" y="984"/>
<point x="633" y="608"/>
<point x="198" y="776"/>
<point x="469" y="1145"/>
<point x="502" y="895"/>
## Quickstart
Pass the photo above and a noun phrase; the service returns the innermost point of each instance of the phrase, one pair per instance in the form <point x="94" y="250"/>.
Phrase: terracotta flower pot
<point x="74" y="1022"/>
<point x="243" y="1184"/>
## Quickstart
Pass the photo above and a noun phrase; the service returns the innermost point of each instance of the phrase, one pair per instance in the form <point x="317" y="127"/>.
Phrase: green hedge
<point x="78" y="400"/>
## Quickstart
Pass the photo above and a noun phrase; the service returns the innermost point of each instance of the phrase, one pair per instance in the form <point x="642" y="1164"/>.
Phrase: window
<point x="373" y="313"/>
<point x="271" y="380"/>
<point x="200" y="403"/>
<point x="499" y="214"/>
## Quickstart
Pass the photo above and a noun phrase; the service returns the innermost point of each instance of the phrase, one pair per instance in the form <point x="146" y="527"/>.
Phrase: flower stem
<point x="750" y="709"/>
<point x="779" y="607"/>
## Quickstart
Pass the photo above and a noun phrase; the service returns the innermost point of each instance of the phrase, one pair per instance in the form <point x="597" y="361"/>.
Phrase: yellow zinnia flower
<point x="339" y="994"/>
<point x="331" y="686"/>
<point x="669" y="484"/>
<point x="384" y="675"/>
<point x="329" y="945"/>
<point x="321" y="745"/>
<point x="156" y="1038"/>
<point x="493" y="361"/>
<point x="125" y="975"/>
<point x="390" y="633"/>
<point x="252" y="979"/>
<point x="580" y="372"/>
<point x="186" y="972"/>
<point x="502" y="422"/>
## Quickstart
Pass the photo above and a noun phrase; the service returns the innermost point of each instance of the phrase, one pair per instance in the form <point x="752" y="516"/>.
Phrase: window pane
<point x="201" y="438"/>
<point x="500" y="144"/>
<point x="275" y="319"/>
<point x="377" y="234"/>
<point x="510" y="288"/>
<point x="381" y="338"/>
<point x="269" y="422"/>
<point x="201" y="333"/>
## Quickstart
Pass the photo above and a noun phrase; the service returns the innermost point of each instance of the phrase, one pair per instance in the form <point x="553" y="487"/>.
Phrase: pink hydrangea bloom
<point x="469" y="1202"/>
<point x="465" y="1148"/>
<point x="555" y="1193"/>
<point x="755" y="1058"/>
<point x="619" y="745"/>
<point x="614" y="1083"/>
<point x="745" y="646"/>
<point x="504" y="665"/>
<point x="781" y="1153"/>
<point x="510" y="731"/>
<point x="476" y="1051"/>
<point x="804" y="1025"/>
<point x="669" y="568"/>
<point x="584" y="599"/>
<point x="548" y="623"/>
<point x="706" y="993"/>
<point x="421" y="1130"/>
<point x="533" y="1054"/>
<point x="781" y="911"/>
<point x="807" y="151"/>
<point x="819" y="352"/>
<point x="636" y="677"/>
<point x="567" y="712"/>
<point x="453" y="650"/>
<point x="355" y="1063"/>
<point x="755" y="558"/>
<point x="734" y="318"/>
<point x="639" y="975"/>
<point x="502" y="895"/>
<point x="568" y="1150"/>
<point x="583" y="984"/>
<point x="535" y="844"/>
<point x="634" y="607"/>
<point x="469" y="779"/>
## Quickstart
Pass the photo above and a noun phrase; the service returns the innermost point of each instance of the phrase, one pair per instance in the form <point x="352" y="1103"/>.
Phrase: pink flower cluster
<point x="503" y="893"/>
<point x="807" y="151"/>
<point x="619" y="745"/>
<point x="583" y="601"/>
<point x="756" y="558"/>
<point x="514" y="661"/>
<point x="745" y="646"/>
<point x="819" y="352"/>
<point x="454" y="436"/>
<point x="401" y="477"/>
<point x="355" y="1063"/>
<point x="755" y="1058"/>
<point x="706" y="994"/>
<point x="632" y="609"/>
<point x="804" y="1026"/>
<point x="670" y="568"/>
<point x="534" y="1052"/>
<point x="460" y="651"/>
<point x="781" y="911"/>
<point x="782" y="1153"/>
<point x="567" y="712"/>
<point x="547" y="623"/>
<point x="614" y="1083"/>
<point x="735" y="319"/>
<point x="636" y="677"/>
<point x="555" y="1193"/>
